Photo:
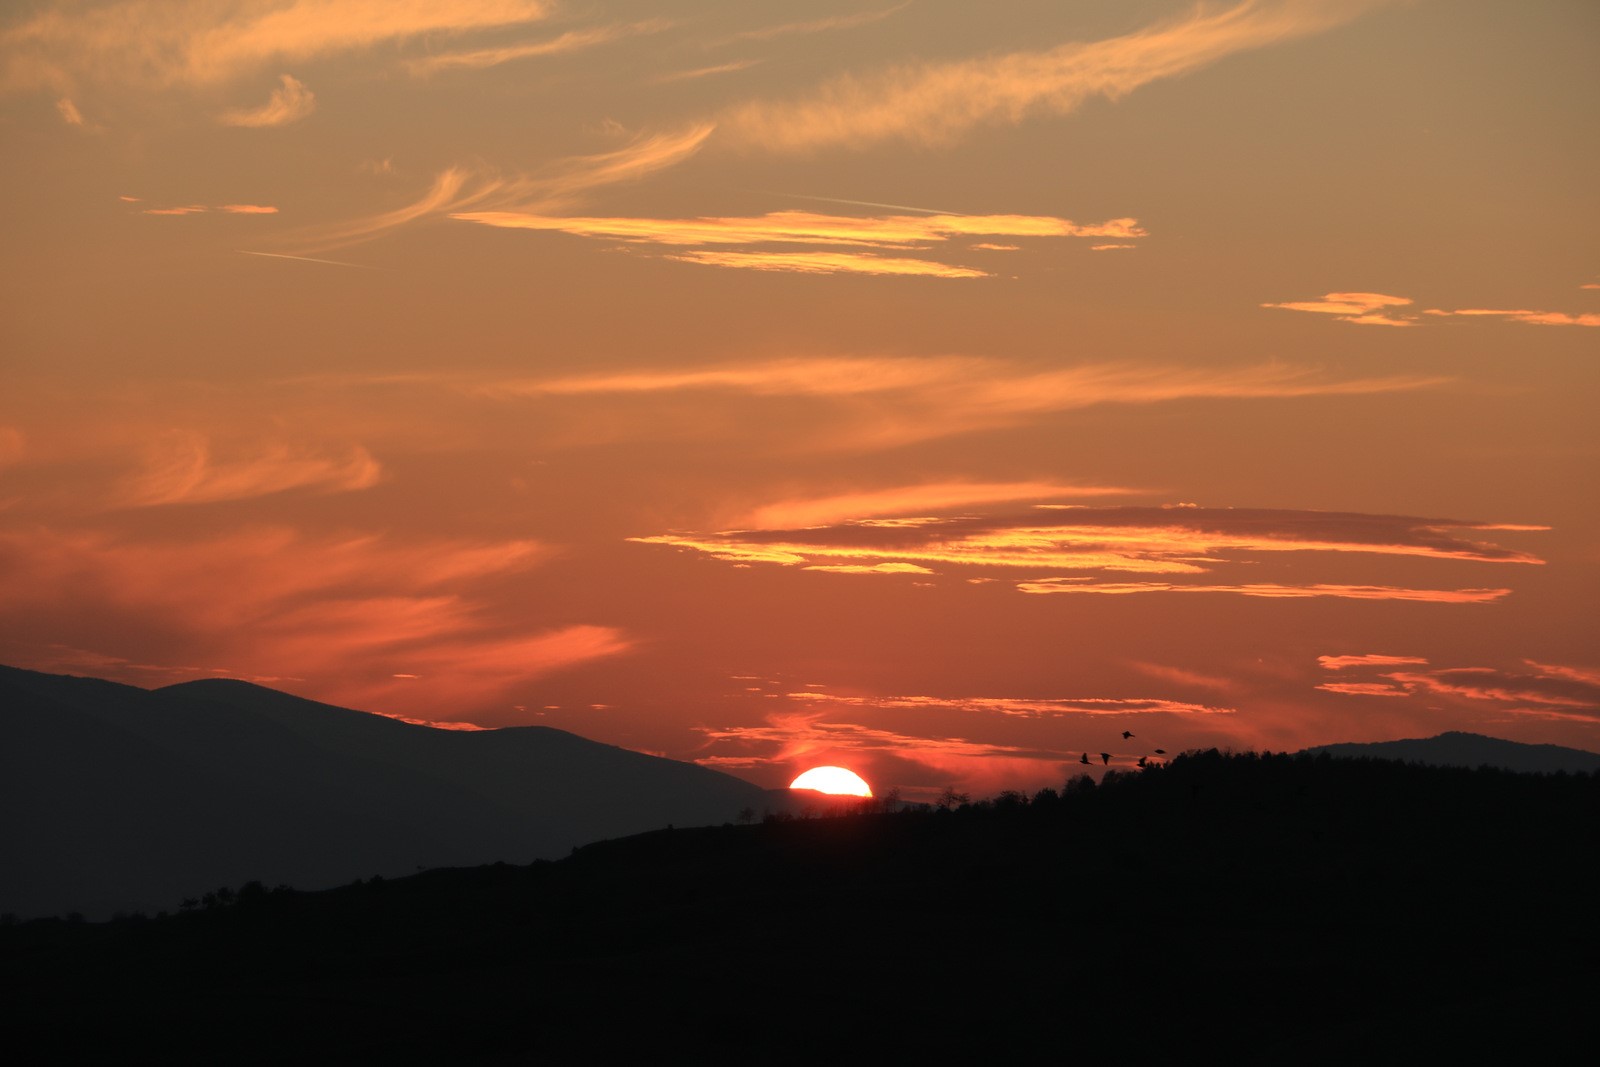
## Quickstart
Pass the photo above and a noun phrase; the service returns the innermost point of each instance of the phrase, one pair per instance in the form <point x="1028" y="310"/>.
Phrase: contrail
<point x="871" y="203"/>
<point x="308" y="259"/>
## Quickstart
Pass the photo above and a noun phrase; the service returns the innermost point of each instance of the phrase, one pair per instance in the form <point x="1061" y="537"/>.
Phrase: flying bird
<point x="1085" y="758"/>
<point x="1127" y="734"/>
<point x="1161" y="752"/>
<point x="1142" y="761"/>
<point x="1105" y="757"/>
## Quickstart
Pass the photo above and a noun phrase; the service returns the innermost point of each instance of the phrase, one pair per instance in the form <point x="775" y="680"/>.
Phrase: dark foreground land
<point x="1236" y="909"/>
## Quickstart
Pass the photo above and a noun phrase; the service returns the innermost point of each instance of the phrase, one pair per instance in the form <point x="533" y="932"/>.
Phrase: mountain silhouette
<point x="1457" y="749"/>
<point x="1240" y="908"/>
<point x="115" y="798"/>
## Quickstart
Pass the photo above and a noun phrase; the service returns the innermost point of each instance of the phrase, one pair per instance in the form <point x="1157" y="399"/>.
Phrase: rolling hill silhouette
<point x="116" y="798"/>
<point x="1457" y="749"/>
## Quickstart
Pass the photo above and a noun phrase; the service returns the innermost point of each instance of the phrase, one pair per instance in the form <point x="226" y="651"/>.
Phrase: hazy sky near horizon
<point x="931" y="388"/>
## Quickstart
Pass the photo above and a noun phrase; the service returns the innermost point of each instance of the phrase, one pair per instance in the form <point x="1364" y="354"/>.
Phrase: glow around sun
<point x="834" y="780"/>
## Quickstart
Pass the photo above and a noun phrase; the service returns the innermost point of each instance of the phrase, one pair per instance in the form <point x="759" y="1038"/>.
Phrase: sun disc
<point x="834" y="780"/>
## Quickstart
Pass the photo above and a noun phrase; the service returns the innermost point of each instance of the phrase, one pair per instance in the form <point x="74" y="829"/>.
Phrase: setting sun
<point x="834" y="780"/>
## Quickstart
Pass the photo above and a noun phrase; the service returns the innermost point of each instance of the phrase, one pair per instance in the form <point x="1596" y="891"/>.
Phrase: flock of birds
<point x="1105" y="757"/>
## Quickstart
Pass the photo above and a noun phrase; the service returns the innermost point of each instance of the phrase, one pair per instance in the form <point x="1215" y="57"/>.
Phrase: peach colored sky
<point x="929" y="388"/>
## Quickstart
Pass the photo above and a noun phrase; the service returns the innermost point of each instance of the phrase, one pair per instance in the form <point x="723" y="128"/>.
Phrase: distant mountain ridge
<point x="1457" y="749"/>
<point x="115" y="798"/>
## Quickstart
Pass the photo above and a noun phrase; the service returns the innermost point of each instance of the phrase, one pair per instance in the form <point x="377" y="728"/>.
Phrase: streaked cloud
<point x="829" y="263"/>
<point x="1272" y="591"/>
<point x="819" y="377"/>
<point x="1019" y="707"/>
<point x="1340" y="663"/>
<point x="457" y="189"/>
<point x="1364" y="309"/>
<point x="1185" y="545"/>
<point x="923" y="398"/>
<point x="1376" y="309"/>
<point x="1537" y="686"/>
<point x="290" y="102"/>
<point x="571" y="41"/>
<point x="709" y="72"/>
<point x="909" y="500"/>
<point x="308" y="259"/>
<point x="805" y="227"/>
<point x="1109" y="248"/>
<point x="822" y="25"/>
<point x="201" y="209"/>
<point x="801" y="736"/>
<point x="869" y="568"/>
<point x="1189" y="679"/>
<point x="935" y="103"/>
<point x="349" y="612"/>
<point x="849" y="233"/>
<point x="1532" y="318"/>
<point x="184" y="468"/>
<point x="1540" y="690"/>
<point x="200" y="42"/>
<point x="1365" y="689"/>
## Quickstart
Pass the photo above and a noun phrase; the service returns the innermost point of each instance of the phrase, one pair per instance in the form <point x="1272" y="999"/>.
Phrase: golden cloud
<point x="829" y="263"/>
<point x="805" y="227"/>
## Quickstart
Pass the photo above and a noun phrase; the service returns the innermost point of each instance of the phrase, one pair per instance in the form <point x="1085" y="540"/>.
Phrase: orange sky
<point x="932" y="389"/>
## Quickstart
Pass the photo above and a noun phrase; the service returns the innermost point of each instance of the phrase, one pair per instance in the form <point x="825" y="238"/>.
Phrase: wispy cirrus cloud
<point x="1340" y="663"/>
<point x="1083" y="545"/>
<point x="850" y="233"/>
<point x="348" y="612"/>
<point x="924" y="398"/>
<point x="934" y="103"/>
<point x="290" y="102"/>
<point x="460" y="189"/>
<point x="571" y="41"/>
<point x="202" y="42"/>
<point x="829" y="263"/>
<point x="1364" y="309"/>
<point x="919" y="499"/>
<point x="1270" y="590"/>
<point x="1524" y="315"/>
<point x="202" y="209"/>
<point x="1023" y="707"/>
<point x="1364" y="689"/>
<point x="810" y="26"/>
<point x="1379" y="309"/>
<point x="712" y="71"/>
<point x="801" y="738"/>
<point x="184" y="468"/>
<point x="1537" y="690"/>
